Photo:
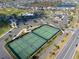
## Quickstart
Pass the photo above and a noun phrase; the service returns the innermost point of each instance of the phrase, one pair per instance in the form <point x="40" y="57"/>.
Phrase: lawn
<point x="44" y="3"/>
<point x="9" y="11"/>
<point x="4" y="30"/>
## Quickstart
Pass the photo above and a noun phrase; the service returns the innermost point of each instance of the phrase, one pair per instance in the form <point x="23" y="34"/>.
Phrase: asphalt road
<point x="68" y="50"/>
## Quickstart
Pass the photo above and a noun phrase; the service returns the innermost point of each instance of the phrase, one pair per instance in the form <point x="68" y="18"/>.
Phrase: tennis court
<point x="46" y="31"/>
<point x="26" y="45"/>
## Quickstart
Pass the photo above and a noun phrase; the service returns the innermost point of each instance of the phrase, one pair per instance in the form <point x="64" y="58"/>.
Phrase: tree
<point x="71" y="18"/>
<point x="57" y="46"/>
<point x="35" y="57"/>
<point x="3" y="20"/>
<point x="52" y="53"/>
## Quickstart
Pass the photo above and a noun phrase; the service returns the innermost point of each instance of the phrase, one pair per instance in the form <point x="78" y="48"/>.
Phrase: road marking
<point x="74" y="52"/>
<point x="63" y="47"/>
<point x="69" y="48"/>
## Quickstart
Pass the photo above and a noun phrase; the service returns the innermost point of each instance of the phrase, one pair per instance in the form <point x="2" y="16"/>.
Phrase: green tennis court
<point x="46" y="31"/>
<point x="26" y="45"/>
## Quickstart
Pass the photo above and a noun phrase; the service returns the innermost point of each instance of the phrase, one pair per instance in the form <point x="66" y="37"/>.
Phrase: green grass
<point x="9" y="11"/>
<point x="48" y="12"/>
<point x="3" y="30"/>
<point x="44" y="3"/>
